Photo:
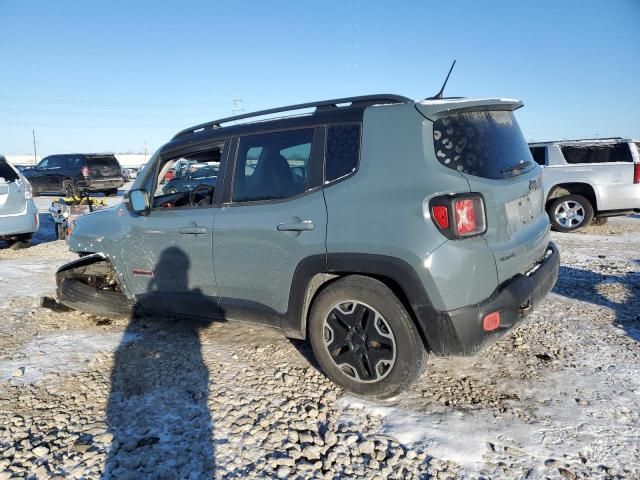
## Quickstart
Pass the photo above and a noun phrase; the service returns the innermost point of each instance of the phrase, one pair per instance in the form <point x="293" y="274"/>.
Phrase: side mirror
<point x="139" y="201"/>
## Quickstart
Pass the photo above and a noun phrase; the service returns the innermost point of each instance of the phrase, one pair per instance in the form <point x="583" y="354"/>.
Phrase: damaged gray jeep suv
<point x="379" y="228"/>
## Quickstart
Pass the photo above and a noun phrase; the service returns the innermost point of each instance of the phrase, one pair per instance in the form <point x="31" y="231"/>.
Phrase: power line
<point x="75" y="101"/>
<point x="71" y="126"/>
<point x="20" y="150"/>
<point x="97" y="114"/>
<point x="54" y="147"/>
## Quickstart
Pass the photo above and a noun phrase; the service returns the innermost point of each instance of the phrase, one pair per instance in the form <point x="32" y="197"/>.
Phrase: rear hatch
<point x="103" y="167"/>
<point x="481" y="139"/>
<point x="12" y="198"/>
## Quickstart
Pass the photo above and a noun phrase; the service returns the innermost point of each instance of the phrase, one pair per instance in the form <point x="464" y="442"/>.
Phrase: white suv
<point x="587" y="180"/>
<point x="18" y="213"/>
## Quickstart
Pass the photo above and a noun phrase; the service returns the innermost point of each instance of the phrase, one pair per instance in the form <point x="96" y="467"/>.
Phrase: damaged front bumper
<point x="460" y="331"/>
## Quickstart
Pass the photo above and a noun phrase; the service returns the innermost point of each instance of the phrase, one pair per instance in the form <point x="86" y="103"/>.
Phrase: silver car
<point x="18" y="213"/>
<point x="587" y="181"/>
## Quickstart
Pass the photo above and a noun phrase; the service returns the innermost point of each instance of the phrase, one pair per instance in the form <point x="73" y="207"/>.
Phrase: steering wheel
<point x="194" y="192"/>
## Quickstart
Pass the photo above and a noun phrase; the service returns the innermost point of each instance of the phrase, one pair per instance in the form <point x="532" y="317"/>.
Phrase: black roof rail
<point x="362" y="100"/>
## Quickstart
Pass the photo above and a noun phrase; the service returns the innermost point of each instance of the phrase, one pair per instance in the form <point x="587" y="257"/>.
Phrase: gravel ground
<point x="86" y="397"/>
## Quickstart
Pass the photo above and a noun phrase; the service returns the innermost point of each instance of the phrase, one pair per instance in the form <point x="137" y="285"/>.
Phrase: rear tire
<point x="103" y="303"/>
<point x="381" y="332"/>
<point x="18" y="242"/>
<point x="570" y="213"/>
<point x="69" y="188"/>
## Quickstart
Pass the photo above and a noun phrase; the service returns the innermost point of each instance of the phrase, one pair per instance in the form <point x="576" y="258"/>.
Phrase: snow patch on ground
<point x="59" y="352"/>
<point x="572" y="410"/>
<point x="27" y="278"/>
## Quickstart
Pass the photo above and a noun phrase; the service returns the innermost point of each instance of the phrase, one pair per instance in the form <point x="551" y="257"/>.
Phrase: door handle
<point x="193" y="230"/>
<point x="302" y="226"/>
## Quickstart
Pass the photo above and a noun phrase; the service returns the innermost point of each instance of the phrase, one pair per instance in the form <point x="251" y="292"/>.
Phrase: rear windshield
<point x="102" y="160"/>
<point x="606" y="153"/>
<point x="484" y="144"/>
<point x="7" y="172"/>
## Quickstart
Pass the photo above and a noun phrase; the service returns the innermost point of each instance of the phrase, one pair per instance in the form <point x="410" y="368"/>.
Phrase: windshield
<point x="486" y="144"/>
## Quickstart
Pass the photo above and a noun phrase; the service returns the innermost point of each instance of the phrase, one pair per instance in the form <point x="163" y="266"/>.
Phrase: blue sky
<point x="108" y="76"/>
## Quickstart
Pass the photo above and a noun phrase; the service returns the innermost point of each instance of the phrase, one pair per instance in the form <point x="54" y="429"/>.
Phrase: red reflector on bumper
<point x="491" y="321"/>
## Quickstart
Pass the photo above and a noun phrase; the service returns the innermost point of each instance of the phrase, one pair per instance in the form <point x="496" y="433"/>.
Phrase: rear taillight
<point x="440" y="216"/>
<point x="468" y="216"/>
<point x="636" y="173"/>
<point x="85" y="171"/>
<point x="458" y="216"/>
<point x="28" y="189"/>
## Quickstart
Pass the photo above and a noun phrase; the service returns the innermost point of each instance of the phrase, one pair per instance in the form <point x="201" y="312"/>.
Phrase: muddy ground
<point x="86" y="397"/>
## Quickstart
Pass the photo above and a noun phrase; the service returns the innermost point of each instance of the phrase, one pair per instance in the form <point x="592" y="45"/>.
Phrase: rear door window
<point x="343" y="151"/>
<point x="539" y="154"/>
<point x="7" y="172"/>
<point x="486" y="144"/>
<point x="273" y="166"/>
<point x="606" y="153"/>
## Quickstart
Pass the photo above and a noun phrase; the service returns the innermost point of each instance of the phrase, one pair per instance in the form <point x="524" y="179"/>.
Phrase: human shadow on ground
<point x="157" y="409"/>
<point x="588" y="286"/>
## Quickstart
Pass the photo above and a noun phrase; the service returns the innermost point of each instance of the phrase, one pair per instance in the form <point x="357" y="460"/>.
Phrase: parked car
<point x="376" y="227"/>
<point x="18" y="214"/>
<point x="132" y="171"/>
<point x="69" y="174"/>
<point x="178" y="169"/>
<point x="199" y="173"/>
<point x="587" y="181"/>
<point x="125" y="175"/>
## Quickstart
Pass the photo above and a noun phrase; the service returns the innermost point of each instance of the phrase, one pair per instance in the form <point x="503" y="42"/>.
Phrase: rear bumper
<point x="460" y="332"/>
<point x="95" y="185"/>
<point x="20" y="223"/>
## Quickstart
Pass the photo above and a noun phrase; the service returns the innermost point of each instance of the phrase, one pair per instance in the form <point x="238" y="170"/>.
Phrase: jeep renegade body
<point x="377" y="227"/>
<point x="587" y="180"/>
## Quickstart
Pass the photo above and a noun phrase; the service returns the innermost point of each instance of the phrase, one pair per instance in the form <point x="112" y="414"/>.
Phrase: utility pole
<point x="35" y="152"/>
<point x="238" y="106"/>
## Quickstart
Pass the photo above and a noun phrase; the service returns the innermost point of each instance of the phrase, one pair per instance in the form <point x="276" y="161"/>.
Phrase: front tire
<point x="570" y="213"/>
<point x="364" y="339"/>
<point x="76" y="294"/>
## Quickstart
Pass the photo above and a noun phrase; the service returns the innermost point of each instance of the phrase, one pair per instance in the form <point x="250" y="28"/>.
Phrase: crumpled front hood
<point x="97" y="231"/>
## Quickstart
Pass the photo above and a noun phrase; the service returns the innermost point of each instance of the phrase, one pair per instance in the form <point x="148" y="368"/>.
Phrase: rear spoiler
<point x="434" y="109"/>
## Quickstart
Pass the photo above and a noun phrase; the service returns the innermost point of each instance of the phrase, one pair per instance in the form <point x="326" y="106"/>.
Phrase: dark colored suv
<point x="71" y="173"/>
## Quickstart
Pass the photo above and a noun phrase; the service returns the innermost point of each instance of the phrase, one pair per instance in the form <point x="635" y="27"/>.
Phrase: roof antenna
<point x="438" y="95"/>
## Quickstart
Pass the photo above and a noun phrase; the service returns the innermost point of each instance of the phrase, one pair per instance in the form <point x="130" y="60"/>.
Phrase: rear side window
<point x="484" y="144"/>
<point x="616" y="152"/>
<point x="539" y="154"/>
<point x="343" y="151"/>
<point x="272" y="166"/>
<point x="7" y="172"/>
